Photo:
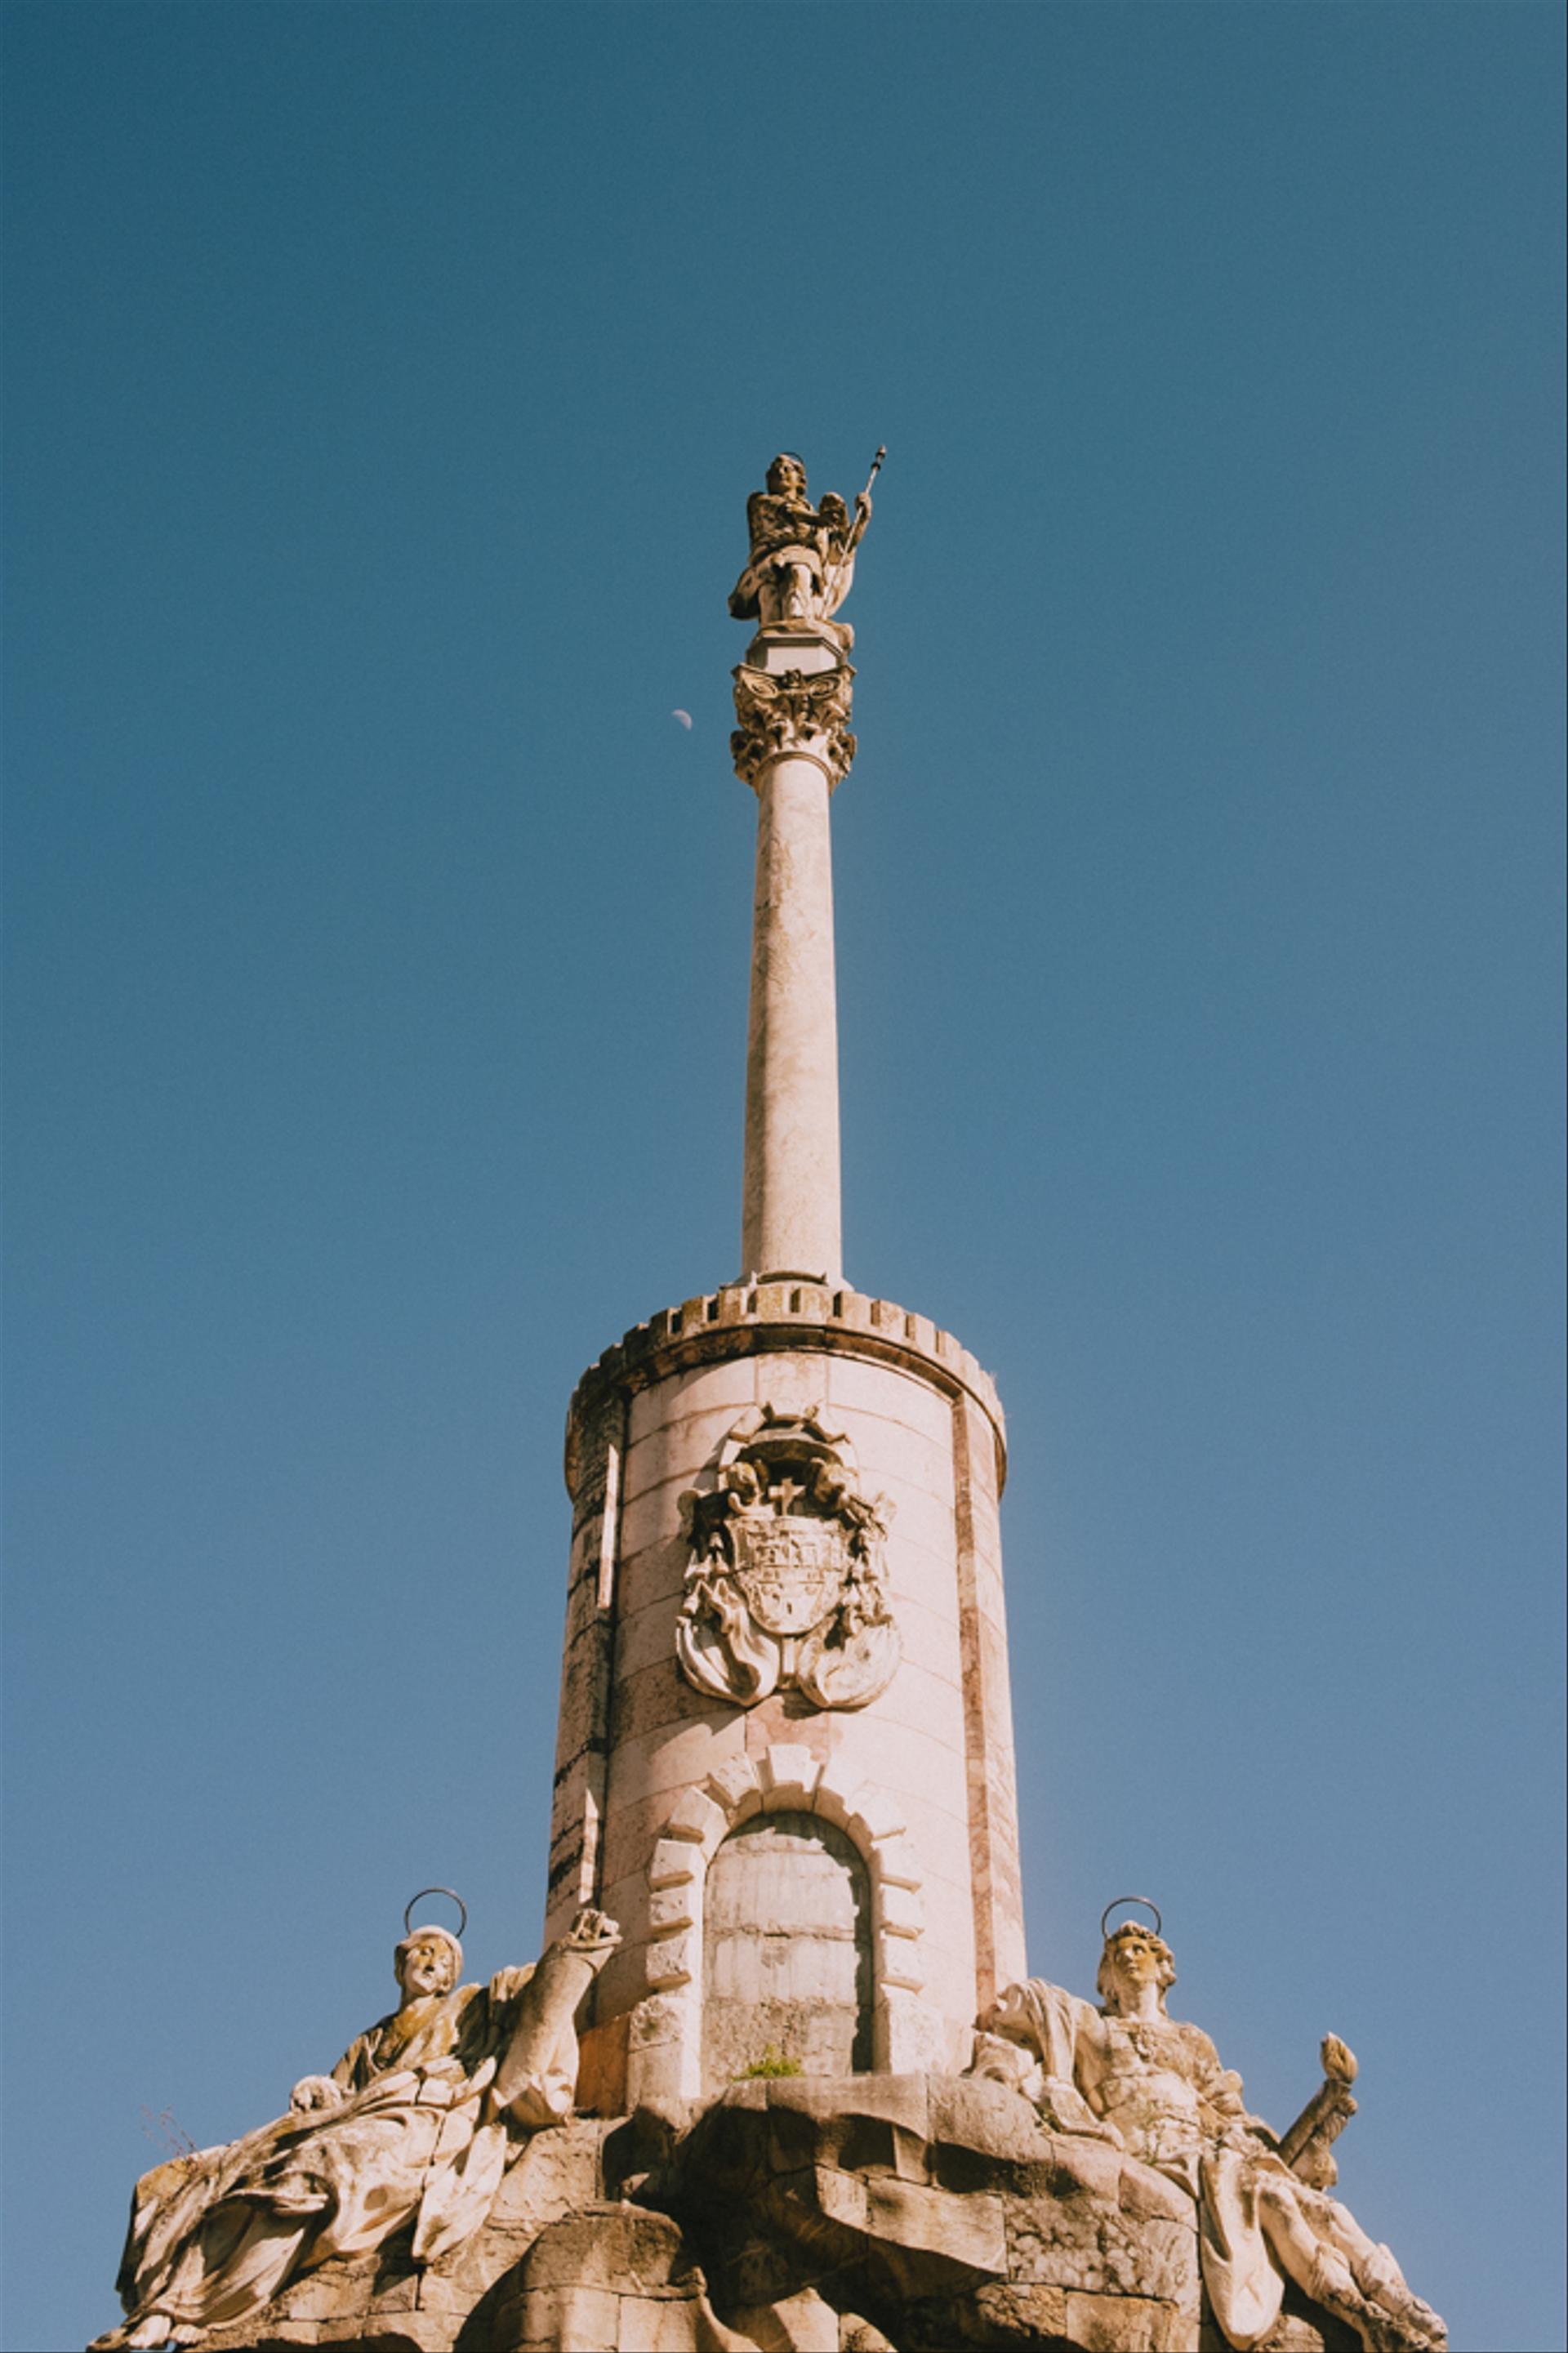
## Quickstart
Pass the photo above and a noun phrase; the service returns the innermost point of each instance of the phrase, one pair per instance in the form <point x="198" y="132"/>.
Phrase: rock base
<point x="802" y="2215"/>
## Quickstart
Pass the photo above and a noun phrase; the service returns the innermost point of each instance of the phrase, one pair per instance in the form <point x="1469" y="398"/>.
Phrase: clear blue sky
<point x="385" y="384"/>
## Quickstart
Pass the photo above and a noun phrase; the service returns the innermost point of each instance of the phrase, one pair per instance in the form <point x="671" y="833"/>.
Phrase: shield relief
<point x="790" y="1569"/>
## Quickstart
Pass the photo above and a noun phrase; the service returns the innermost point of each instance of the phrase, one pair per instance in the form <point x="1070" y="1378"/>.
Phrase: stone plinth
<point x="654" y="1776"/>
<point x="849" y="2215"/>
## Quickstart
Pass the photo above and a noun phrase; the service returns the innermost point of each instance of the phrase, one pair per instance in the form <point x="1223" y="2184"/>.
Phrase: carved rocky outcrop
<point x="851" y="2214"/>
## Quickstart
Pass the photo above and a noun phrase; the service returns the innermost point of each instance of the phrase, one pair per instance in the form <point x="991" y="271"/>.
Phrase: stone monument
<point x="781" y="2079"/>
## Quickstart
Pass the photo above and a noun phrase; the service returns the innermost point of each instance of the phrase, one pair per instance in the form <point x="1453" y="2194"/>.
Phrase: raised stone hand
<point x="593" y="1933"/>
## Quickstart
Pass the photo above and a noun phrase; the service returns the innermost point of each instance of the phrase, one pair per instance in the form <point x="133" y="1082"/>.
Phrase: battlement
<point x="786" y="1311"/>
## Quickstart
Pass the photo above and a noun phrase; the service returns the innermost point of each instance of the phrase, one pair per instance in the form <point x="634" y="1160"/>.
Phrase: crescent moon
<point x="684" y="717"/>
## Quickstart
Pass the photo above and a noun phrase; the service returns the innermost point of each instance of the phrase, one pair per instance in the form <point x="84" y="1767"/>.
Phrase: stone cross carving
<point x="417" y="2122"/>
<point x="1129" y="2074"/>
<point x="786" y="1586"/>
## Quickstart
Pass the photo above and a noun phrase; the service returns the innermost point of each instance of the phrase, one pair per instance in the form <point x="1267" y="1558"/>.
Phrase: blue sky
<point x="384" y="387"/>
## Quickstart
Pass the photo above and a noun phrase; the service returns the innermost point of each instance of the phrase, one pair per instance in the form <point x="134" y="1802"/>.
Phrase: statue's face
<point x="1135" y="1959"/>
<point x="428" y="1966"/>
<point x="787" y="478"/>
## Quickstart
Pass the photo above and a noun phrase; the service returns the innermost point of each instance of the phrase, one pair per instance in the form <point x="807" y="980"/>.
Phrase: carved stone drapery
<point x="787" y="1587"/>
<point x="793" y="712"/>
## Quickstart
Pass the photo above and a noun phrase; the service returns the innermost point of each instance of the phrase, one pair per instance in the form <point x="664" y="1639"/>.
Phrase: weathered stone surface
<point x="853" y="2214"/>
<point x="1124" y="2324"/>
<point x="923" y="2186"/>
<point x="803" y="2323"/>
<point x="1126" y="2076"/>
<point x="894" y="1775"/>
<point x="786" y="1581"/>
<point x="411" y="2134"/>
<point x="834" y="2101"/>
<point x="788" y="1951"/>
<point x="969" y="2113"/>
<point x="1087" y="2242"/>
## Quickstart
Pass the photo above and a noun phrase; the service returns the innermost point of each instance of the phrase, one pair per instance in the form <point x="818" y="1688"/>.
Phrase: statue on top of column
<point x="802" y="560"/>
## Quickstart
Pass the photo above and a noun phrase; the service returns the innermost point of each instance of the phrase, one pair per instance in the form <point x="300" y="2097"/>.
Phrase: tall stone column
<point x="792" y="697"/>
<point x="786" y="1763"/>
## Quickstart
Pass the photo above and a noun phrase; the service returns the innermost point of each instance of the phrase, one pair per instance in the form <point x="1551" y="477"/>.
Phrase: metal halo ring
<point x="1144" y="1900"/>
<point x="463" y="1923"/>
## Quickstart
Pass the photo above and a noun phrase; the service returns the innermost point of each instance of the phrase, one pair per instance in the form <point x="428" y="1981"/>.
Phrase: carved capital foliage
<point x="803" y="712"/>
<point x="786" y="1583"/>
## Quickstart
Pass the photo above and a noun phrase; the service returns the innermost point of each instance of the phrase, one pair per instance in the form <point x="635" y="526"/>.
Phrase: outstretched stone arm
<point x="536" y="2074"/>
<point x="1306" y="2146"/>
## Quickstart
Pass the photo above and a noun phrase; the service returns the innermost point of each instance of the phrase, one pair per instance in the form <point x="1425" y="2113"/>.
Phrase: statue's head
<point x="1015" y="2015"/>
<point x="1134" y="1956"/>
<point x="429" y="1961"/>
<point x="786" y="475"/>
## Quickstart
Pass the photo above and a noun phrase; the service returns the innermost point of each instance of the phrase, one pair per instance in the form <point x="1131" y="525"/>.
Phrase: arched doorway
<point x="786" y="1957"/>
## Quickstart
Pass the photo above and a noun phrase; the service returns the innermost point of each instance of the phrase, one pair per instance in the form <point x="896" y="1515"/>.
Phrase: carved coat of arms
<point x="786" y="1586"/>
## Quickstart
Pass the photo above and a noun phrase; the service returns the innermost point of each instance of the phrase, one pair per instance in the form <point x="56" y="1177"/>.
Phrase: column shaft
<point x="791" y="1201"/>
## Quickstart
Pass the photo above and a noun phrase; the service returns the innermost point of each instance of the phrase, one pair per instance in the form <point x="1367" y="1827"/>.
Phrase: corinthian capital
<point x="793" y="714"/>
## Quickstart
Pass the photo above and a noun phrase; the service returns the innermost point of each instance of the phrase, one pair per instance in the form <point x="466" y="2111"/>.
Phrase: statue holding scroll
<point x="417" y="2121"/>
<point x="1154" y="2086"/>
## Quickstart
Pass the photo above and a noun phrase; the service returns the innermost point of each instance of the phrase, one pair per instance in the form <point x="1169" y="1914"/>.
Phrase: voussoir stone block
<point x="898" y="1864"/>
<point x="899" y="1964"/>
<point x="789" y="1774"/>
<point x="669" y="1908"/>
<point x="674" y="1860"/>
<point x="731" y="1785"/>
<point x="898" y="1910"/>
<point x="696" y="1818"/>
<point x="673" y="1962"/>
<point x="871" y="1815"/>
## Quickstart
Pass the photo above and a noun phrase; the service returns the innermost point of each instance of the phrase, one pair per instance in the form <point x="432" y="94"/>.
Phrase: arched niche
<point x="787" y="1980"/>
<point x="665" y="2056"/>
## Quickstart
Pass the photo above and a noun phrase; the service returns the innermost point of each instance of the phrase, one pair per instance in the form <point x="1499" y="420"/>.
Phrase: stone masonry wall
<point x="638" y="1740"/>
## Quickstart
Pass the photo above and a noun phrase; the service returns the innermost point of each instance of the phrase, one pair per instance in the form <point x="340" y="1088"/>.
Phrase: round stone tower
<point x="785" y="1753"/>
